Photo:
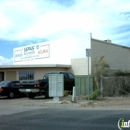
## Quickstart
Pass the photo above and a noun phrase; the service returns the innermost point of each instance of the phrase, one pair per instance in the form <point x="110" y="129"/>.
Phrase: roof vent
<point x="108" y="40"/>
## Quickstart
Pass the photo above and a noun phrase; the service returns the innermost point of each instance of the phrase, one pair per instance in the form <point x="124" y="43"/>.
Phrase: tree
<point x="99" y="68"/>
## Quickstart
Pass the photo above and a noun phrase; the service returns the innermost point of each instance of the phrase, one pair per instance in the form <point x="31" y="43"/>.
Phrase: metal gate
<point x="81" y="83"/>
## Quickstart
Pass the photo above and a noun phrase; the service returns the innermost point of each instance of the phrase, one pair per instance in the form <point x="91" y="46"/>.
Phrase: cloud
<point x="25" y="22"/>
<point x="5" y="61"/>
<point x="32" y="19"/>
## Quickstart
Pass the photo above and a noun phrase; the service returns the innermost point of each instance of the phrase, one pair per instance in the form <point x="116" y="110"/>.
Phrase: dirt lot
<point x="106" y="102"/>
<point x="81" y="102"/>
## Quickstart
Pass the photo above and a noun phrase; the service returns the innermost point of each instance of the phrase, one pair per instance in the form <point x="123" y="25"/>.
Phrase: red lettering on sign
<point x="42" y="51"/>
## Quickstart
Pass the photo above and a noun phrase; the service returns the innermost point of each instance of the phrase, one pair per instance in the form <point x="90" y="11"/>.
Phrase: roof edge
<point x="34" y="66"/>
<point x="110" y="43"/>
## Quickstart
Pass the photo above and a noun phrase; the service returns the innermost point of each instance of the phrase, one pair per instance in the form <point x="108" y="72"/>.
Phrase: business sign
<point x="31" y="52"/>
<point x="58" y="51"/>
<point x="18" y="55"/>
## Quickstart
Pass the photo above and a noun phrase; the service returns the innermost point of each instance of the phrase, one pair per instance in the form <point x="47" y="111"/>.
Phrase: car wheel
<point x="31" y="95"/>
<point x="11" y="95"/>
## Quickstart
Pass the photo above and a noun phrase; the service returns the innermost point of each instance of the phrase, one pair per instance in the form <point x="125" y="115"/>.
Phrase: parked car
<point x="10" y="89"/>
<point x="34" y="88"/>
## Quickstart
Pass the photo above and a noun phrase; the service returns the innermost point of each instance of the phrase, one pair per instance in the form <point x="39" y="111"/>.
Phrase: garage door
<point x="11" y="75"/>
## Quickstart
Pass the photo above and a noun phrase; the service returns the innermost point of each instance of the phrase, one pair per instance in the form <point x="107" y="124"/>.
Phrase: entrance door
<point x="1" y="76"/>
<point x="11" y="75"/>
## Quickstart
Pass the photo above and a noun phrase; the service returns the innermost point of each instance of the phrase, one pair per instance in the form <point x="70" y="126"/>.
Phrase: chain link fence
<point x="115" y="86"/>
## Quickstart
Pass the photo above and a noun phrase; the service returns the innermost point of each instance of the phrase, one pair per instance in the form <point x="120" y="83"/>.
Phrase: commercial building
<point x="31" y="62"/>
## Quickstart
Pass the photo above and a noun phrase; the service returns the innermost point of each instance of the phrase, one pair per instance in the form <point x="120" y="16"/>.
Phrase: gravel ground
<point x="81" y="102"/>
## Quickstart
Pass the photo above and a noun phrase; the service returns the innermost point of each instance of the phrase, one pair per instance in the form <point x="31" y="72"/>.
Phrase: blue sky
<point x="24" y="22"/>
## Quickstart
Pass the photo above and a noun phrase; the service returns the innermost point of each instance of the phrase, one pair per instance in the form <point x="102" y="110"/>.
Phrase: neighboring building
<point x="117" y="56"/>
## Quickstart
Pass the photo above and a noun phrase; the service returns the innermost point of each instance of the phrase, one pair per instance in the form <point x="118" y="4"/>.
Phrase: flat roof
<point x="103" y="41"/>
<point x="34" y="66"/>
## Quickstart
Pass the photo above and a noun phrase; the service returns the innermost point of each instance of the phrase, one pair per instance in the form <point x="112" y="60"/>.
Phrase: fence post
<point x="74" y="94"/>
<point x="101" y="88"/>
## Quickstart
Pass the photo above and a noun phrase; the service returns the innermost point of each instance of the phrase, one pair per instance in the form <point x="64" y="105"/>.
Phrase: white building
<point x="69" y="54"/>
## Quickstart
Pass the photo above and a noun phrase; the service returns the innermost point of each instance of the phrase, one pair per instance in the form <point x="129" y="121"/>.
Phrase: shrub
<point x="121" y="73"/>
<point x="66" y="92"/>
<point x="95" y="94"/>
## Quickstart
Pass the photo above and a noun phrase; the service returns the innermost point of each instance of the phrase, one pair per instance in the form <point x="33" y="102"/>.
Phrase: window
<point x="65" y="75"/>
<point x="4" y="83"/>
<point x="15" y="84"/>
<point x="26" y="75"/>
<point x="71" y="76"/>
<point x="46" y="75"/>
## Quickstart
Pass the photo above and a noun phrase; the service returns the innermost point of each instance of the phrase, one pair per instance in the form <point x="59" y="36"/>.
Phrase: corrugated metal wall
<point x="81" y="83"/>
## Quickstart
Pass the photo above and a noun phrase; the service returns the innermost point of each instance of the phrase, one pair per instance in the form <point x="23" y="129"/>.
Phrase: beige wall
<point x="117" y="56"/>
<point x="40" y="72"/>
<point x="80" y="66"/>
<point x="13" y="74"/>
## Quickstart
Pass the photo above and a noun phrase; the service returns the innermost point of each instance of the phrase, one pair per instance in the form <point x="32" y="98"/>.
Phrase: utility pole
<point x="88" y="54"/>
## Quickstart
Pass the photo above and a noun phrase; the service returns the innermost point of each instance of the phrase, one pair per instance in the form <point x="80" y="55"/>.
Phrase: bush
<point x="121" y="73"/>
<point x="95" y="94"/>
<point x="66" y="92"/>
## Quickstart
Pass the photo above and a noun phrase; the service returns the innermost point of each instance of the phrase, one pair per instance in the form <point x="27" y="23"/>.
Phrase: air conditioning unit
<point x="108" y="40"/>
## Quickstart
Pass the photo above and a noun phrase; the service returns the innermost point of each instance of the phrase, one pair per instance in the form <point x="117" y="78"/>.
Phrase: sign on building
<point x="58" y="51"/>
<point x="31" y="53"/>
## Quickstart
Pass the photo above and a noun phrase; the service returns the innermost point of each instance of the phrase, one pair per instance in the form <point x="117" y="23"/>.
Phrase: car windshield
<point x="4" y="83"/>
<point x="46" y="76"/>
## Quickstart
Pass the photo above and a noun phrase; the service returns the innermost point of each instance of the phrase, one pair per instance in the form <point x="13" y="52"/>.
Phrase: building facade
<point x="118" y="57"/>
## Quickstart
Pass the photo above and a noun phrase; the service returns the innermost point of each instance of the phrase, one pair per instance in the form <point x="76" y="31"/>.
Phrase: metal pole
<point x="88" y="81"/>
<point x="88" y="54"/>
<point x="101" y="86"/>
<point x="74" y="94"/>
